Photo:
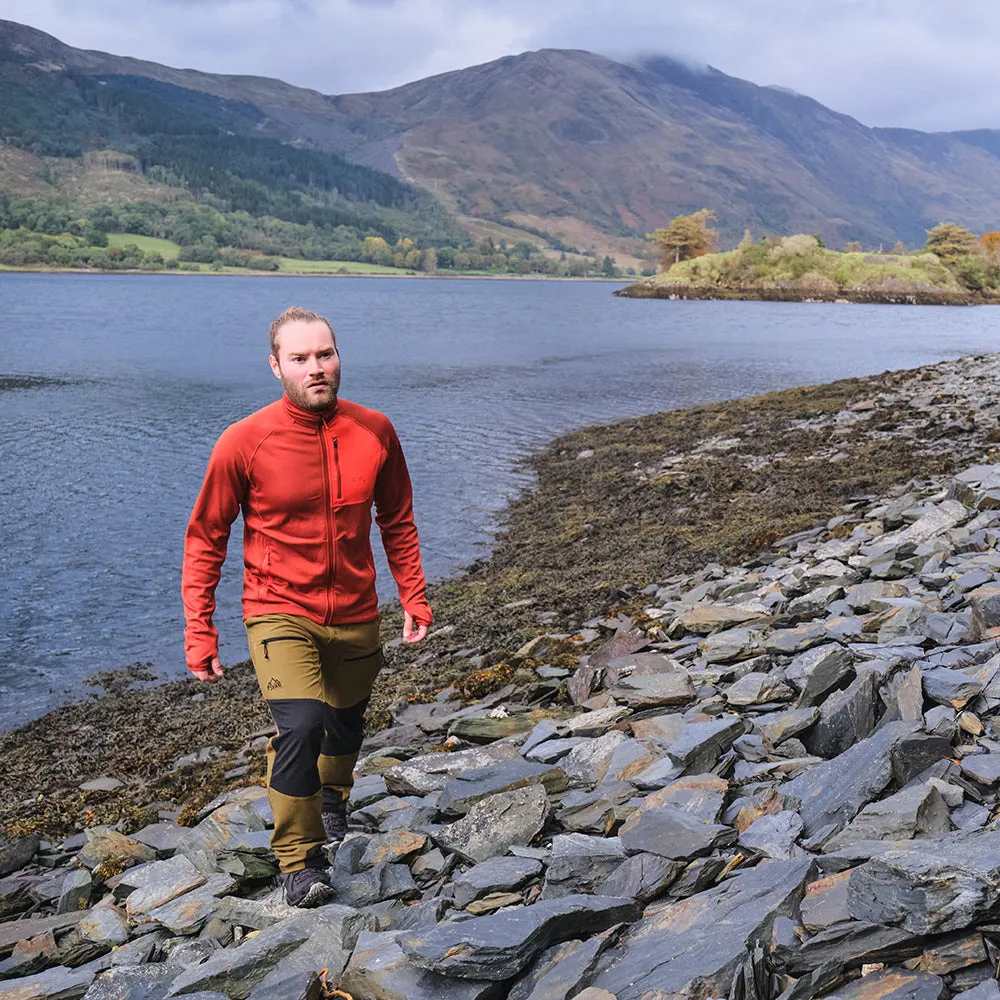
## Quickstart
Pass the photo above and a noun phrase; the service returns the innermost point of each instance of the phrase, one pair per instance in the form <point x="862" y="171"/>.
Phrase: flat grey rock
<point x="703" y="939"/>
<point x="579" y="861"/>
<point x="132" y="982"/>
<point x="643" y="877"/>
<point x="773" y="836"/>
<point x="559" y="972"/>
<point x="59" y="983"/>
<point x="833" y="793"/>
<point x="494" y="875"/>
<point x="379" y="969"/>
<point x="492" y="825"/>
<point x="701" y="744"/>
<point x="642" y="691"/>
<point x="942" y="884"/>
<point x="894" y="985"/>
<point x="463" y="791"/>
<point x="671" y="832"/>
<point x="17" y="853"/>
<point x="917" y="811"/>
<point x="500" y="945"/>
<point x="431" y="772"/>
<point x="758" y="689"/>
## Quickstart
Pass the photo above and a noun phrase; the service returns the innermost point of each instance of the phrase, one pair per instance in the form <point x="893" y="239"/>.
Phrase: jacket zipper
<point x="336" y="463"/>
<point x="330" y="525"/>
<point x="278" y="638"/>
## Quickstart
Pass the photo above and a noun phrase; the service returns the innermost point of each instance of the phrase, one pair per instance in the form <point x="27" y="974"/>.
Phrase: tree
<point x="990" y="242"/>
<point x="429" y="260"/>
<point x="608" y="266"/>
<point x="687" y="236"/>
<point x="747" y="240"/>
<point x="854" y="247"/>
<point x="950" y="240"/>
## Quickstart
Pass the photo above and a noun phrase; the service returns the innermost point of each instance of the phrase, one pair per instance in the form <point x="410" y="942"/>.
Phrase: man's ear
<point x="275" y="367"/>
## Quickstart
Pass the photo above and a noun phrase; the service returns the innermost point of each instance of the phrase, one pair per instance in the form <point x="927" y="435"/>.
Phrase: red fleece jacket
<point x="305" y="483"/>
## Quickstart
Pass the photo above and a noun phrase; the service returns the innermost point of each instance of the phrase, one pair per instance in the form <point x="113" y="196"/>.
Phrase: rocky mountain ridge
<point x="597" y="152"/>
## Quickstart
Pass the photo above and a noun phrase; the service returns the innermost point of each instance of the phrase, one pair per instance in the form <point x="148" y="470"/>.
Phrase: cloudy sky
<point x="915" y="63"/>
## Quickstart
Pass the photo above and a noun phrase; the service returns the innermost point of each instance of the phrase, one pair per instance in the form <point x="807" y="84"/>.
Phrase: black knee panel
<point x="345" y="729"/>
<point x="300" y="723"/>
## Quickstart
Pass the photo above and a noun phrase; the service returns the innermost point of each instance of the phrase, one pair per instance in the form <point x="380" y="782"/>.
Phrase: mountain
<point x="567" y="143"/>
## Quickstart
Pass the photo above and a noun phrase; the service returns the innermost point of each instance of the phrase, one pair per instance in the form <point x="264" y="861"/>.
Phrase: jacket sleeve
<point x="394" y="516"/>
<point x="205" y="544"/>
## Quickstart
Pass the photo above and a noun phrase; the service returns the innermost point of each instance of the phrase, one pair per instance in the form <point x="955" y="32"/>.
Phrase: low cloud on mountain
<point x="918" y="64"/>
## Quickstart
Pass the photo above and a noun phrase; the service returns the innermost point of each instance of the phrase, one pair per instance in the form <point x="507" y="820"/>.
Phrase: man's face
<point x="307" y="364"/>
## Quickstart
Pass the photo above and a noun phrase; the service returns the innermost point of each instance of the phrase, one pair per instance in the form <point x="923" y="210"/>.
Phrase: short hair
<point x="294" y="314"/>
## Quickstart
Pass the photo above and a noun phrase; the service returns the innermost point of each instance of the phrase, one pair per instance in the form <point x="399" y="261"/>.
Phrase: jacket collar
<point x="310" y="418"/>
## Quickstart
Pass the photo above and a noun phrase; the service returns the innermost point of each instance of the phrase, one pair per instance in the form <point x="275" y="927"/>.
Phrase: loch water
<point x="102" y="454"/>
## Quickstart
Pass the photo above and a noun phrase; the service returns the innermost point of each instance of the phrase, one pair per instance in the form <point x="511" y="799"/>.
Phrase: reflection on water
<point x="132" y="378"/>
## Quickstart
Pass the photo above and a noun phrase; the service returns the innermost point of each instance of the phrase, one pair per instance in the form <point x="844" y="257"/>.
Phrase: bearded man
<point x="306" y="471"/>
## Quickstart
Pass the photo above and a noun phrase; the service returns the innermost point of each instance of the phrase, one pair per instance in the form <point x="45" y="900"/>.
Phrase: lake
<point x="98" y="472"/>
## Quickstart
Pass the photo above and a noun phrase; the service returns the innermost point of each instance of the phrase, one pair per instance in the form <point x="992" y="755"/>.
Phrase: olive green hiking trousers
<point x="316" y="680"/>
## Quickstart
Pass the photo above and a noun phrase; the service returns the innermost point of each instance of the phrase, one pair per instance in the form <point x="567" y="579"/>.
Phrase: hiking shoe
<point x="335" y="822"/>
<point x="307" y="887"/>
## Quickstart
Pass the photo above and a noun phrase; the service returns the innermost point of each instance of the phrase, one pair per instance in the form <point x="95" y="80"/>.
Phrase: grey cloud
<point x="913" y="63"/>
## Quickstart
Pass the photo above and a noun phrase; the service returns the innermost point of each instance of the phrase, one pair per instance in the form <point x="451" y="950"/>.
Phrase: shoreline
<point x="248" y="273"/>
<point x="844" y="296"/>
<point x="615" y="508"/>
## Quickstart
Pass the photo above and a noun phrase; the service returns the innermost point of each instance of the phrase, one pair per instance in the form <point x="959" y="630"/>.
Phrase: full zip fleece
<point x="305" y="483"/>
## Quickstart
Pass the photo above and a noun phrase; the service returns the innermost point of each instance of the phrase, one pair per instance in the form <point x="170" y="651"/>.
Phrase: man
<point x="305" y="472"/>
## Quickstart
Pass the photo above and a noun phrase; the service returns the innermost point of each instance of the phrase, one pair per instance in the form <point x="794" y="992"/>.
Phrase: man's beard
<point x="300" y="394"/>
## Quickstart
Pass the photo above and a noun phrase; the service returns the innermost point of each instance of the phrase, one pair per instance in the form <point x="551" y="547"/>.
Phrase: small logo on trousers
<point x="273" y="684"/>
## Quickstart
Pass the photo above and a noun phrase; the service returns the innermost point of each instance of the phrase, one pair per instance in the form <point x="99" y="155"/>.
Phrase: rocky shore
<point x="658" y="748"/>
<point x="893" y="296"/>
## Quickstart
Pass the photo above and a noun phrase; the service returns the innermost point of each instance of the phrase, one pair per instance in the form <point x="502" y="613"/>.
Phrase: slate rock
<point x="758" y="689"/>
<point x="597" y="722"/>
<point x="17" y="853"/>
<point x="132" y="982"/>
<point x="942" y="884"/>
<point x="776" y="727"/>
<point x="75" y="890"/>
<point x="392" y="848"/>
<point x="374" y="885"/>
<point x="105" y="926"/>
<point x="642" y="876"/>
<point x="159" y="882"/>
<point x="237" y="972"/>
<point x="187" y="914"/>
<point x="494" y="875"/>
<point x="703" y="940"/>
<point x="773" y="836"/>
<point x="845" y="718"/>
<point x="825" y="902"/>
<point x="987" y="990"/>
<point x="59" y="983"/>
<point x="731" y="645"/>
<point x="560" y="971"/>
<point x="500" y="946"/>
<point x="917" y="811"/>
<point x="700" y="744"/>
<point x="892" y="984"/>
<point x="578" y="862"/>
<point x="588" y="763"/>
<point x="105" y="844"/>
<point x="379" y="969"/>
<point x="913" y="754"/>
<point x="950" y="687"/>
<point x="982" y="767"/>
<point x="462" y="792"/>
<point x="671" y="832"/>
<point x="818" y="671"/>
<point x="431" y="772"/>
<point x="643" y="691"/>
<point x="546" y="729"/>
<point x="833" y="793"/>
<point x="552" y="750"/>
<point x="492" y="825"/>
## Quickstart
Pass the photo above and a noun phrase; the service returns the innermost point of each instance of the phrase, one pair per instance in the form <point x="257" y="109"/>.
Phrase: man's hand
<point x="213" y="671"/>
<point x="411" y="632"/>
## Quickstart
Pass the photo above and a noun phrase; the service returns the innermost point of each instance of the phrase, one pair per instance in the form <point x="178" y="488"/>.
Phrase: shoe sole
<point x="317" y="895"/>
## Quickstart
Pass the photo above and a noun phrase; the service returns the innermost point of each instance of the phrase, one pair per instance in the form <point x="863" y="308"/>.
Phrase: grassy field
<point x="147" y="244"/>
<point x="294" y="265"/>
